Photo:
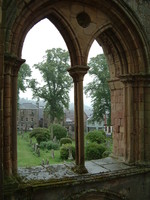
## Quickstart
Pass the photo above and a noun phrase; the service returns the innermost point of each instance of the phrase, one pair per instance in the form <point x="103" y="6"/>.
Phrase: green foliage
<point x="64" y="151"/>
<point x="59" y="131"/>
<point x="96" y="136"/>
<point x="65" y="141"/>
<point x="41" y="134"/>
<point x="57" y="82"/>
<point x="23" y="77"/>
<point x="98" y="89"/>
<point x="49" y="145"/>
<point x="94" y="151"/>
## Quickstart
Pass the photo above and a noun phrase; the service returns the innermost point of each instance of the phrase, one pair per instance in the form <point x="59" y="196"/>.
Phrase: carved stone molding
<point x="12" y="64"/>
<point x="131" y="78"/>
<point x="77" y="72"/>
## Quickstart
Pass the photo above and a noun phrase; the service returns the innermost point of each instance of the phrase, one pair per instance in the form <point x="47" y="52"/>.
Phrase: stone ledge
<point x="49" y="176"/>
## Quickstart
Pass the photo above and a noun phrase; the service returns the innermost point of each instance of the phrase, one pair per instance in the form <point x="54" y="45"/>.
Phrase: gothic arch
<point x="125" y="45"/>
<point x="97" y="195"/>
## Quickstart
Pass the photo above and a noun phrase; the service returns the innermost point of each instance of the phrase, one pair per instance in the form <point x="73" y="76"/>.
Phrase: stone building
<point x="28" y="116"/>
<point x="122" y="28"/>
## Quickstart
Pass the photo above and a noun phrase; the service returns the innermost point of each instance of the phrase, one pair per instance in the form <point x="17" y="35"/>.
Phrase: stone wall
<point x="118" y="185"/>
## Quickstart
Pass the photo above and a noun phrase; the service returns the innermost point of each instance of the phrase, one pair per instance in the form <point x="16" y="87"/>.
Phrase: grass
<point x="27" y="157"/>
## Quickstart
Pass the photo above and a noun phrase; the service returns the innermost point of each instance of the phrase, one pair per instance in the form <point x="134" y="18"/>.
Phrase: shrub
<point x="106" y="153"/>
<point x="94" y="151"/>
<point x="49" y="145"/>
<point x="64" y="151"/>
<point x="59" y="131"/>
<point x="96" y="136"/>
<point x="65" y="141"/>
<point x="41" y="134"/>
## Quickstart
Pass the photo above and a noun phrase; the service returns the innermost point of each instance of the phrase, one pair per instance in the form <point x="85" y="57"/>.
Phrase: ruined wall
<point x="117" y="120"/>
<point x="129" y="185"/>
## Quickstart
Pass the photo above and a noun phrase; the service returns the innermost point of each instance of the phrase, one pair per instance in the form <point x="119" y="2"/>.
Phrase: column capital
<point x="77" y="72"/>
<point x="12" y="64"/>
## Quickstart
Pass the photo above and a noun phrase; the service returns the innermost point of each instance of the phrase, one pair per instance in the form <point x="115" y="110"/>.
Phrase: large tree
<point x="98" y="89"/>
<point x="23" y="78"/>
<point x="57" y="82"/>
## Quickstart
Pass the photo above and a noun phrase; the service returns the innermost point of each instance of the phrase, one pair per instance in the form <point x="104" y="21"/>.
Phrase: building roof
<point x="28" y="106"/>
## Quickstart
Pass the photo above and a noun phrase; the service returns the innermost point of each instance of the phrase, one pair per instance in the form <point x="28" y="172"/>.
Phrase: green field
<point x="27" y="157"/>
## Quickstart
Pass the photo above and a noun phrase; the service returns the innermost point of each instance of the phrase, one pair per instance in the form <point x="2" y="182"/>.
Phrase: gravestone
<point x="52" y="153"/>
<point x="38" y="152"/>
<point x="70" y="157"/>
<point x="42" y="163"/>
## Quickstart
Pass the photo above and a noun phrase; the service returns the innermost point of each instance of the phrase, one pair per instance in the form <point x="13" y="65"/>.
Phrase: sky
<point x="41" y="37"/>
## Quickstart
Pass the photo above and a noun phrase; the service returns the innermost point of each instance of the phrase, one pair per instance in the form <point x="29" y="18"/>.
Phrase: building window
<point x="26" y="119"/>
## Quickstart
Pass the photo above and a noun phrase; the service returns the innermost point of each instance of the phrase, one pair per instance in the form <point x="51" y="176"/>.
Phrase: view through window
<point x="40" y="142"/>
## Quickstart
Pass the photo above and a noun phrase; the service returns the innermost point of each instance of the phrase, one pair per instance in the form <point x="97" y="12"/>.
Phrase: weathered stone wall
<point x="141" y="9"/>
<point x="117" y="121"/>
<point x="147" y="123"/>
<point x="129" y="185"/>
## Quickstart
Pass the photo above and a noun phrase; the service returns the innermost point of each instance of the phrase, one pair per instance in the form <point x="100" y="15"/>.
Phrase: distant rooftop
<point x="28" y="106"/>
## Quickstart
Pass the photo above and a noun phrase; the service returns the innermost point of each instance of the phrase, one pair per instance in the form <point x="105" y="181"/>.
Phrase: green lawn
<point x="27" y="158"/>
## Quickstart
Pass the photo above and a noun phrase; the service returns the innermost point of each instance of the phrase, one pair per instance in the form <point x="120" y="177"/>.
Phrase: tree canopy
<point x="98" y="89"/>
<point x="23" y="78"/>
<point x="57" y="82"/>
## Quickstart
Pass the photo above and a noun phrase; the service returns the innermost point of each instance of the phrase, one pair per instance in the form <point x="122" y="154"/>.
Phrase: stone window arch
<point x="124" y="42"/>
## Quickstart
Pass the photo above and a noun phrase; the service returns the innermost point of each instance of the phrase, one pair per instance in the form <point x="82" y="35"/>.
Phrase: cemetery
<point x="53" y="151"/>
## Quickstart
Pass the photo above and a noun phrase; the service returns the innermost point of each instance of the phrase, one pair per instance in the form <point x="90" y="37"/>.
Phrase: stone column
<point x="141" y="122"/>
<point x="136" y="114"/>
<point x="14" y="70"/>
<point x="12" y="65"/>
<point x="7" y="163"/>
<point x="1" y="135"/>
<point x="77" y="73"/>
<point x="130" y="122"/>
<point x="129" y="119"/>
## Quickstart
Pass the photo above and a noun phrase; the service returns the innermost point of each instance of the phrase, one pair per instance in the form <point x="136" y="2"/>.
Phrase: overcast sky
<point x="41" y="37"/>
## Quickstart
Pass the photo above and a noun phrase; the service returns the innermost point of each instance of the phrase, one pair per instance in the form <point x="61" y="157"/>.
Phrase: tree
<point x="57" y="82"/>
<point x="98" y="89"/>
<point x="23" y="78"/>
<point x="41" y="134"/>
<point x="97" y="136"/>
<point x="58" y="131"/>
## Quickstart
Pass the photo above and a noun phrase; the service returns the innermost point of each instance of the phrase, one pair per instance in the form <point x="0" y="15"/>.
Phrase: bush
<point x="96" y="136"/>
<point x="106" y="153"/>
<point x="64" y="151"/>
<point x="41" y="134"/>
<point x="59" y="131"/>
<point x="49" y="145"/>
<point x="65" y="141"/>
<point x="94" y="151"/>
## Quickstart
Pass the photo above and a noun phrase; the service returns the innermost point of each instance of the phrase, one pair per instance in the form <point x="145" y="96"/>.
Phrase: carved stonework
<point x="12" y="64"/>
<point x="77" y="72"/>
<point x="110" y="50"/>
<point x="135" y="78"/>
